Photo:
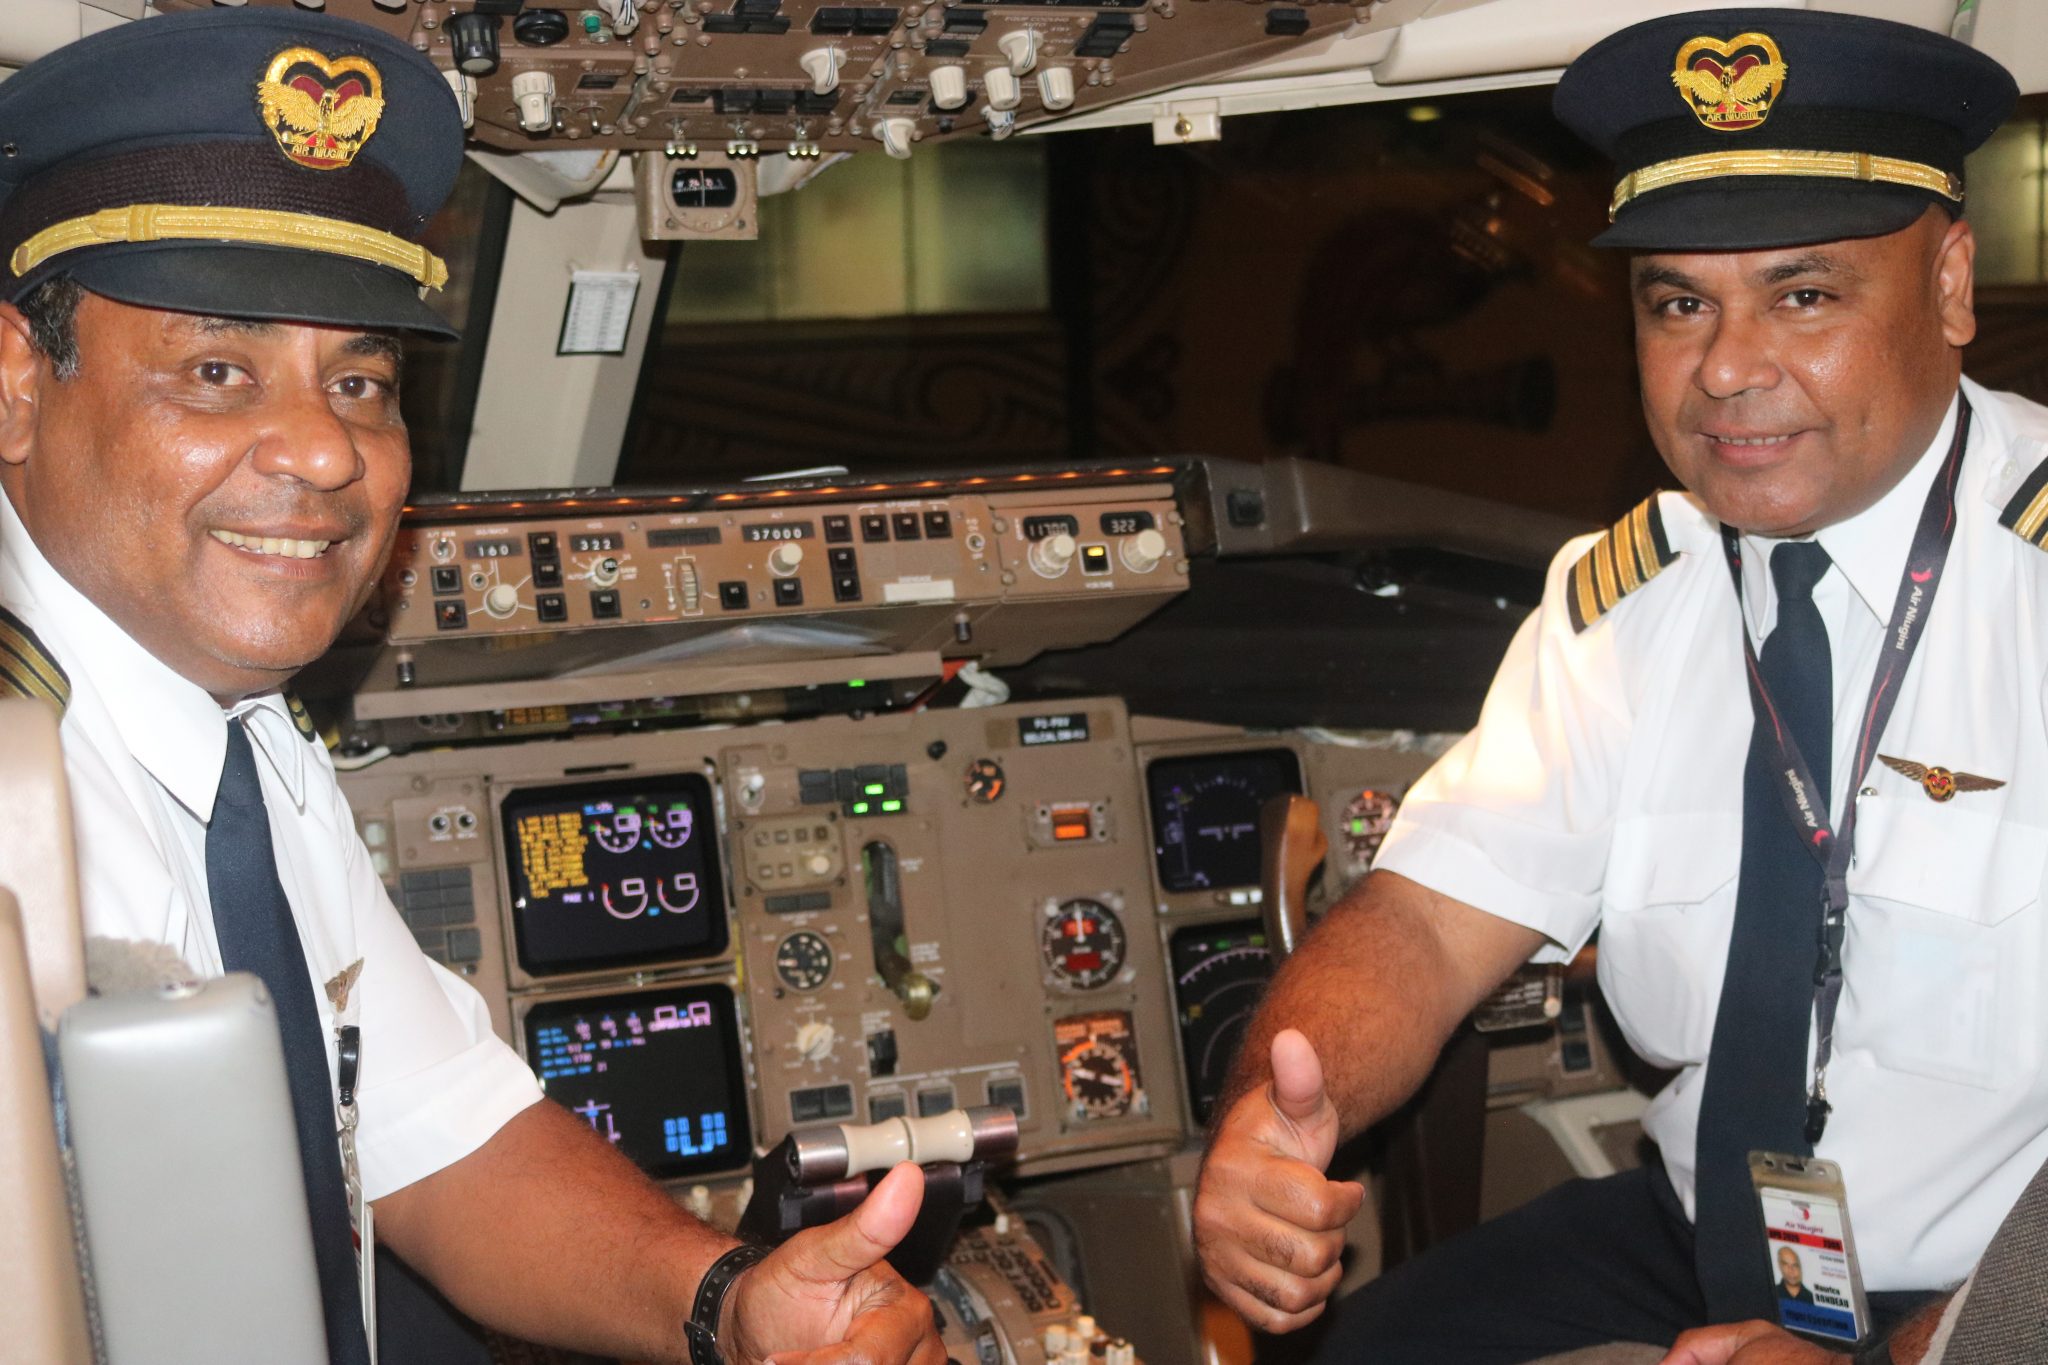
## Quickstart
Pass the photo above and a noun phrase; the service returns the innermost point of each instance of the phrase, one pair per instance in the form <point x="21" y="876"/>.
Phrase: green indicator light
<point x="858" y="682"/>
<point x="875" y="789"/>
<point x="860" y="808"/>
<point x="891" y="807"/>
<point x="1358" y="826"/>
<point x="591" y="23"/>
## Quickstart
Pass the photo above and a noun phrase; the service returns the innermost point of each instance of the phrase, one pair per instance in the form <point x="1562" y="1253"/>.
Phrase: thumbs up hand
<point x="1269" y="1227"/>
<point x="827" y="1296"/>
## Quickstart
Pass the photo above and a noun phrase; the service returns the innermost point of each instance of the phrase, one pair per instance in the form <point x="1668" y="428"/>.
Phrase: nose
<point x="307" y="441"/>
<point x="1737" y="359"/>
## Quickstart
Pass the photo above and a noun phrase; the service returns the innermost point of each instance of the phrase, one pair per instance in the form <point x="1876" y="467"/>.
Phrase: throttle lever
<point x="886" y="932"/>
<point x="1291" y="846"/>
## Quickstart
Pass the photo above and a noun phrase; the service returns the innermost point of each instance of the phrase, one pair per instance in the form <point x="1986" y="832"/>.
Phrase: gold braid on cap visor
<point x="260" y="227"/>
<point x="1827" y="165"/>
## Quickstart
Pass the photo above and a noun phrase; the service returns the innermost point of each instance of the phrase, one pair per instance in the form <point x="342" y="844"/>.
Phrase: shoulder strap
<point x="26" y="668"/>
<point x="301" y="717"/>
<point x="1634" y="551"/>
<point x="2026" y="513"/>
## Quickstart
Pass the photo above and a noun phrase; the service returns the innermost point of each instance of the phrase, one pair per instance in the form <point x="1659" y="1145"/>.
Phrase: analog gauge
<point x="626" y="901"/>
<point x="671" y="828"/>
<point x="984" y="779"/>
<point x="617" y="831"/>
<point x="1099" y="1064"/>
<point x="1366" y="821"/>
<point x="804" y="961"/>
<point x="1083" y="943"/>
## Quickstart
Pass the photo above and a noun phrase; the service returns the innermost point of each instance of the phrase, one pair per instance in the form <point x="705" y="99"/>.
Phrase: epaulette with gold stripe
<point x="2026" y="515"/>
<point x="301" y="717"/>
<point x="1634" y="551"/>
<point x="26" y="668"/>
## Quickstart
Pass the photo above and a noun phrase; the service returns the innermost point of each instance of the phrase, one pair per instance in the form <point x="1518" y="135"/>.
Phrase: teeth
<point x="1752" y="440"/>
<point x="272" y="545"/>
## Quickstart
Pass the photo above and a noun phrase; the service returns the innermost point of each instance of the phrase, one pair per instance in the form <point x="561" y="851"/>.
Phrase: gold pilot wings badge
<point x="1940" y="784"/>
<point x="320" y="110"/>
<point x="1634" y="551"/>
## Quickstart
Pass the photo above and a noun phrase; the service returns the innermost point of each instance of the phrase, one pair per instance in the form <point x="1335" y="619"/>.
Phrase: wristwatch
<point x="701" y="1331"/>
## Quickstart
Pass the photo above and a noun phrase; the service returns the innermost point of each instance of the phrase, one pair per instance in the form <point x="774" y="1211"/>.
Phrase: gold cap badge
<point x="1731" y="86"/>
<point x="321" y="112"/>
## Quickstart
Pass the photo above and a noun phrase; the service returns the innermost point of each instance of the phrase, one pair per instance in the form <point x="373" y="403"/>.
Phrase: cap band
<point x="1862" y="166"/>
<point x="258" y="227"/>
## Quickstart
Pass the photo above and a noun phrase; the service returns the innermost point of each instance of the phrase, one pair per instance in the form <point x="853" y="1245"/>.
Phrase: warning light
<point x="857" y="682"/>
<point x="1071" y="823"/>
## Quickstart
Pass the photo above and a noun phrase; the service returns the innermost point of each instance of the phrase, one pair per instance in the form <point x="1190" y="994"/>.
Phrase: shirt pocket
<point x="1941" y="961"/>
<point x="1666" y="906"/>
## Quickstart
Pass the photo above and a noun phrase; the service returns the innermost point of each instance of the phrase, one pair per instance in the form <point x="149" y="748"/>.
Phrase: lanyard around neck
<point x="1803" y="800"/>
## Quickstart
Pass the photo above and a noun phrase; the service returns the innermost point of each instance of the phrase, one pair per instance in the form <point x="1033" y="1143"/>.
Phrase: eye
<point x="1680" y="306"/>
<point x="364" y="387"/>
<point x="1806" y="298"/>
<point x="219" y="373"/>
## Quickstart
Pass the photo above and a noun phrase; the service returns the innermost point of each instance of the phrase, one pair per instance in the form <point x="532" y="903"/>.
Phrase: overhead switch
<point x="1002" y="88"/>
<point x="895" y="135"/>
<point x="473" y="40"/>
<point x="949" y="86"/>
<point x="534" y="92"/>
<point x="1056" y="87"/>
<point x="822" y="65"/>
<point x="1020" y="46"/>
<point x="464" y="88"/>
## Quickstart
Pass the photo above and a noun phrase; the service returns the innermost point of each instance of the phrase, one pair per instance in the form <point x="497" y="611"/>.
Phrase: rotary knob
<point x="534" y="93"/>
<point x="1051" y="556"/>
<point x="1142" y="552"/>
<point x="1056" y="87"/>
<point x="1001" y="86"/>
<point x="501" y="600"/>
<point x="785" y="558"/>
<point x="949" y="86"/>
<point x="814" y="1039"/>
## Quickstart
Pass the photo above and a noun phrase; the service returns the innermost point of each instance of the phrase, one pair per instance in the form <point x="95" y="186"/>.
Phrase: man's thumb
<point x="841" y="1250"/>
<point x="1297" y="1077"/>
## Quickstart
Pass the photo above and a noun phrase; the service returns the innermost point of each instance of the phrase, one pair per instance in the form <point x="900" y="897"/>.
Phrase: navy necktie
<point x="253" y="921"/>
<point x="1755" y="1095"/>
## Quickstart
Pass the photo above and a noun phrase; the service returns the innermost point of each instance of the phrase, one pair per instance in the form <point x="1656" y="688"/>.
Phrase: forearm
<point x="1909" y="1342"/>
<point x="1377" y="988"/>
<point x="549" y="1235"/>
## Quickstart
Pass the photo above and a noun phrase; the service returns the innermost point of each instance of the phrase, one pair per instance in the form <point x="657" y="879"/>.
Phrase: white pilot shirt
<point x="143" y="751"/>
<point x="1602" y="788"/>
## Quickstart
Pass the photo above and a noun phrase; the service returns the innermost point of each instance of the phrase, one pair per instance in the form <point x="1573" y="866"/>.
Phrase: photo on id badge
<point x="1810" y="1247"/>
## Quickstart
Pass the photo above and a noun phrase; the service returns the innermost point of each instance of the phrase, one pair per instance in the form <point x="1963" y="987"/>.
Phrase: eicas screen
<point x="1205" y="814"/>
<point x="614" y="874"/>
<point x="655" y="1073"/>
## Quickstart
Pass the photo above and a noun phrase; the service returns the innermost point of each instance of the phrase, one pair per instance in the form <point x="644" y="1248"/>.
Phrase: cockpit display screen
<point x="655" y="1073"/>
<point x="1205" y="814"/>
<point x="614" y="874"/>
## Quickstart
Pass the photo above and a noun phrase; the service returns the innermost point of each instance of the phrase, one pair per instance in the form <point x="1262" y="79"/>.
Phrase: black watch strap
<point x="1878" y="1353"/>
<point x="702" y="1329"/>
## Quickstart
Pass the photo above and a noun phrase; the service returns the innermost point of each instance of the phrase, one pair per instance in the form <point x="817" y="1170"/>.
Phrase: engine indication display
<point x="804" y="961"/>
<point x="1205" y="814"/>
<point x="1099" y="1064"/>
<point x="1366" y="822"/>
<point x="613" y="874"/>
<point x="1083" y="943"/>
<point x="1219" y="973"/>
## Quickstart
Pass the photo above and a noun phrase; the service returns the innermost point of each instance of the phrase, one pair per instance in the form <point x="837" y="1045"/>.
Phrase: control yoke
<point x="816" y="1175"/>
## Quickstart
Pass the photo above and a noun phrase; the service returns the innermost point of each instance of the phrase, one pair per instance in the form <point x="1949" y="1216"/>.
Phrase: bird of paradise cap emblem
<point x="320" y="110"/>
<point x="1730" y="86"/>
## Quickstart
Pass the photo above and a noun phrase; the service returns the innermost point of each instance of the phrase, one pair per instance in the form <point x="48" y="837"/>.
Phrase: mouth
<point x="281" y="547"/>
<point x="1750" y="449"/>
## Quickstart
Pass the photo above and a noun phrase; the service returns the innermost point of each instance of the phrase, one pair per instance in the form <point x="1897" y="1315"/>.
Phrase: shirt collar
<point x="1869" y="548"/>
<point x="172" y="726"/>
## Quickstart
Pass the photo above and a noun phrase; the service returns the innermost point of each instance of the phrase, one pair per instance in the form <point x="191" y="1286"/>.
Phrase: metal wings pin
<point x="343" y="982"/>
<point x="1940" y="784"/>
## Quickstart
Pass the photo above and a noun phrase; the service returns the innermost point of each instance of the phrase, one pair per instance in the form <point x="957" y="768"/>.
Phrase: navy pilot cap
<point x="250" y="163"/>
<point x="1749" y="129"/>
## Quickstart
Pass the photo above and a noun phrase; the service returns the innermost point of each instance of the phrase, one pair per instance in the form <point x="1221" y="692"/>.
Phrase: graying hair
<point x="51" y="309"/>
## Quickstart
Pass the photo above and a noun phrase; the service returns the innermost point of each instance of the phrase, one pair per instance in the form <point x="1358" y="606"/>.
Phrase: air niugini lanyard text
<point x="1805" y="803"/>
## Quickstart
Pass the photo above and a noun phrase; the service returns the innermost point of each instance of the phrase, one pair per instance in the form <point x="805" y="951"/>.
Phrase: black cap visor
<point x="264" y="283"/>
<point x="1764" y="213"/>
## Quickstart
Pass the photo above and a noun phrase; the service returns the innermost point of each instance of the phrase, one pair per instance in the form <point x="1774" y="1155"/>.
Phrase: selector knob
<point x="822" y="65"/>
<point x="1052" y="555"/>
<point x="501" y="600"/>
<point x="534" y="92"/>
<point x="818" y="864"/>
<point x="1000" y="84"/>
<point x="1056" y="87"/>
<point x="896" y="135"/>
<point x="814" y="1039"/>
<point x="785" y="558"/>
<point x="605" y="572"/>
<point x="1020" y="46"/>
<point x="473" y="39"/>
<point x="949" y="86"/>
<point x="1142" y="552"/>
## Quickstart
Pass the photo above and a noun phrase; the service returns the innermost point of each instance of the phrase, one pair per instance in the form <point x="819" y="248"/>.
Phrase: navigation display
<point x="1205" y="814"/>
<point x="655" y="1073"/>
<point x="1219" y="973"/>
<point x="614" y="874"/>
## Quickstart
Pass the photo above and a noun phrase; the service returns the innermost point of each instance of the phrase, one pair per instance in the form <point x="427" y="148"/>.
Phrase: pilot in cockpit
<point x="1830" y="930"/>
<point x="210" y="228"/>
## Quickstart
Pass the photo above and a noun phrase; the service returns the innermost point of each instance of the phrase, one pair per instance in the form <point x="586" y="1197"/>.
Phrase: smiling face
<point x="225" y="491"/>
<point x="1790" y="389"/>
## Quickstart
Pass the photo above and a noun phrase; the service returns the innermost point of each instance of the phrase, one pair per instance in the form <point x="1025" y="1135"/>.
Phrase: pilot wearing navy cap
<point x="210" y="251"/>
<point x="1781" y="738"/>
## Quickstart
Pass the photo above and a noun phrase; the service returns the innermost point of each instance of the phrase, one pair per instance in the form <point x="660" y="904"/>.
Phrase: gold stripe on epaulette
<point x="26" y="668"/>
<point x="300" y="716"/>
<point x="2026" y="513"/>
<point x="1633" y="552"/>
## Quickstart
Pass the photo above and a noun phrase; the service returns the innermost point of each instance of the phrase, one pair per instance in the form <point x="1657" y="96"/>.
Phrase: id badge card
<point x="1817" y="1285"/>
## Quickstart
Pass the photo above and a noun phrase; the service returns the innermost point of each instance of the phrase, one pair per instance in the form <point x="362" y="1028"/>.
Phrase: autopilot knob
<point x="949" y="86"/>
<point x="1142" y="552"/>
<point x="785" y="558"/>
<point x="1052" y="555"/>
<point x="814" y="1039"/>
<point x="501" y="600"/>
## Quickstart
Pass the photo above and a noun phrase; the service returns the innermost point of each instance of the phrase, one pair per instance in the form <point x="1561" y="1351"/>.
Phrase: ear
<point x="23" y="372"/>
<point x="1955" y="283"/>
